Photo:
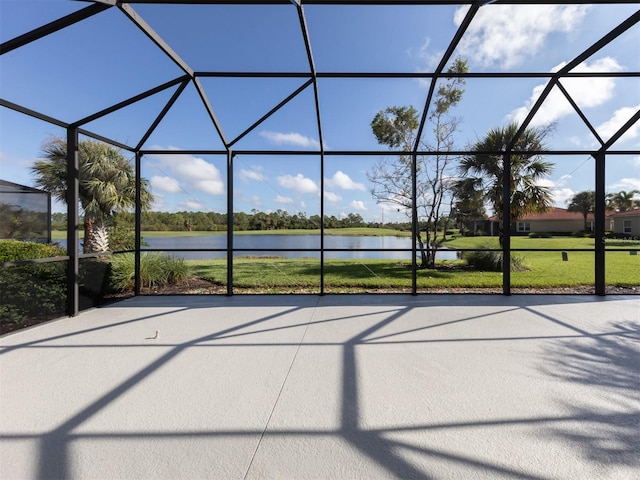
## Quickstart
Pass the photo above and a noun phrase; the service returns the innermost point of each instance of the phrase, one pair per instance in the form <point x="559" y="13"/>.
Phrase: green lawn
<point x="546" y="269"/>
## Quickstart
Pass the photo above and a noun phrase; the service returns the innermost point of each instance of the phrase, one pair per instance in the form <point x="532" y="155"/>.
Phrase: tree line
<point x="187" y="221"/>
<point x="585" y="202"/>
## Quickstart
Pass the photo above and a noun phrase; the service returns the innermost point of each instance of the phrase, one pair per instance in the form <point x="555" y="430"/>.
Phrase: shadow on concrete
<point x="608" y="360"/>
<point x="610" y="365"/>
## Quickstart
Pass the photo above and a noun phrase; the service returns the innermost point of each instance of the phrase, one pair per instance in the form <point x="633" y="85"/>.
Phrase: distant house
<point x="627" y="223"/>
<point x="557" y="220"/>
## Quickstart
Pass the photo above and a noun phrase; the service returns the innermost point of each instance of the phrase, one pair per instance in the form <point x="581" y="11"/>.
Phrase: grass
<point x="546" y="268"/>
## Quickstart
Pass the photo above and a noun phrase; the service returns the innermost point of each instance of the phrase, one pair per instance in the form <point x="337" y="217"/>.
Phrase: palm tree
<point x="623" y="201"/>
<point x="107" y="183"/>
<point x="483" y="172"/>
<point x="584" y="203"/>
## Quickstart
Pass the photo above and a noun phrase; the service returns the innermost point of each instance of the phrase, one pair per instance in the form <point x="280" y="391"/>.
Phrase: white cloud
<point x="291" y="138"/>
<point x="299" y="183"/>
<point x="507" y="34"/>
<point x="428" y="60"/>
<point x="585" y="142"/>
<point x="560" y="193"/>
<point x="158" y="203"/>
<point x="332" y="197"/>
<point x="390" y="212"/>
<point x="625" y="184"/>
<point x="285" y="200"/>
<point x="620" y="117"/>
<point x="165" y="184"/>
<point x="255" y="200"/>
<point x="193" y="173"/>
<point x="342" y="180"/>
<point x="358" y="205"/>
<point x="191" y="205"/>
<point x="562" y="196"/>
<point x="388" y="207"/>
<point x="586" y="92"/>
<point x="635" y="161"/>
<point x="212" y="187"/>
<point x="194" y="168"/>
<point x="248" y="175"/>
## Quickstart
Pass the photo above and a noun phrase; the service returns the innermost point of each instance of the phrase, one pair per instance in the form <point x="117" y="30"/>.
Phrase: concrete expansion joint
<point x="284" y="382"/>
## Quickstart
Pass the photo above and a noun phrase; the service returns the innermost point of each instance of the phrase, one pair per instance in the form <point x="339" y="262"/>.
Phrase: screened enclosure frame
<point x="309" y="78"/>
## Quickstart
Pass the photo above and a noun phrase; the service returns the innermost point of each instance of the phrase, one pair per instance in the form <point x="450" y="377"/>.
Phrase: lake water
<point x="272" y="245"/>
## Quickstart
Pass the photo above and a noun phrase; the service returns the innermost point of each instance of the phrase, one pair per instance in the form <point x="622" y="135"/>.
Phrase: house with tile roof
<point x="556" y="220"/>
<point x="627" y="223"/>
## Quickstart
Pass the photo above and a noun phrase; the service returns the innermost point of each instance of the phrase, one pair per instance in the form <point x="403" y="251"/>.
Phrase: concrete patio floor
<point x="308" y="387"/>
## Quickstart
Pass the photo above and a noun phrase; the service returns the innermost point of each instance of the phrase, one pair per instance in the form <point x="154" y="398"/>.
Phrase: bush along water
<point x="491" y="260"/>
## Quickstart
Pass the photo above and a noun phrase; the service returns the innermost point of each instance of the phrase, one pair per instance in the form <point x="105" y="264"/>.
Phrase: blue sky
<point x="92" y="65"/>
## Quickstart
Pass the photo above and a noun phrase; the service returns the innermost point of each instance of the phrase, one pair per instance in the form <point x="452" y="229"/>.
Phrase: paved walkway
<point x="307" y="387"/>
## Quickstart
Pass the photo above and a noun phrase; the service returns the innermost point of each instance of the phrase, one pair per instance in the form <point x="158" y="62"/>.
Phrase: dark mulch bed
<point x="198" y="286"/>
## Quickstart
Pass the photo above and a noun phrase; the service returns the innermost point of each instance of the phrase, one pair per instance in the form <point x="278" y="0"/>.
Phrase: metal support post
<point x="599" y="226"/>
<point x="138" y="224"/>
<point x="506" y="223"/>
<point x="322" y="223"/>
<point x="73" y="223"/>
<point x="229" y="222"/>
<point x="415" y="228"/>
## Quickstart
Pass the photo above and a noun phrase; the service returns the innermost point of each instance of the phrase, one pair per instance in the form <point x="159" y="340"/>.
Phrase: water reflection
<point x="294" y="246"/>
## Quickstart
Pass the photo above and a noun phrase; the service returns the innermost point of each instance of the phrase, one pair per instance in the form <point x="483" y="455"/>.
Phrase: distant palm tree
<point x="623" y="201"/>
<point x="483" y="172"/>
<point x="107" y="184"/>
<point x="584" y="203"/>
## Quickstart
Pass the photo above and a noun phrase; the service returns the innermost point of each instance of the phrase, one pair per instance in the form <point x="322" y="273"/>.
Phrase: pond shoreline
<point x="367" y="232"/>
<point x="205" y="247"/>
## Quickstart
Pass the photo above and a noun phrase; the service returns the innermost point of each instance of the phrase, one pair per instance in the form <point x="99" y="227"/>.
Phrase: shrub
<point x="491" y="261"/>
<point x="123" y="238"/>
<point x="32" y="293"/>
<point x="16" y="250"/>
<point x="539" y="235"/>
<point x="156" y="270"/>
